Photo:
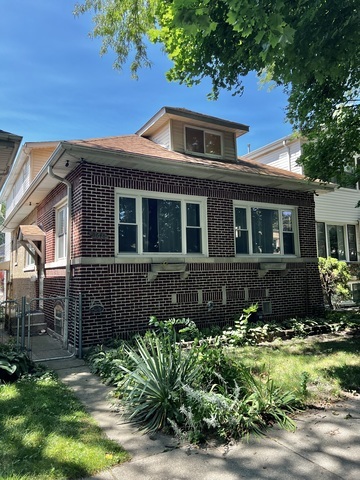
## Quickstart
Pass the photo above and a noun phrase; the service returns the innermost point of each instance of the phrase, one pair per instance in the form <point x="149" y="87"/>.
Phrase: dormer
<point x="193" y="133"/>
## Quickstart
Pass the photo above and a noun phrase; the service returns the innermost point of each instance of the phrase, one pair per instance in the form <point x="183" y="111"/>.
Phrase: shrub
<point x="107" y="362"/>
<point x="334" y="275"/>
<point x="152" y="392"/>
<point x="248" y="408"/>
<point x="183" y="328"/>
<point x="14" y="364"/>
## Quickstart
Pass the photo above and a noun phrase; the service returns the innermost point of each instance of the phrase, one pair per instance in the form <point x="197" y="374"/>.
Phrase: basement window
<point x="59" y="320"/>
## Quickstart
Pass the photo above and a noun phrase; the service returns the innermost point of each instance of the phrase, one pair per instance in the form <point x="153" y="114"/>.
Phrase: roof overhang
<point x="67" y="156"/>
<point x="167" y="113"/>
<point x="27" y="235"/>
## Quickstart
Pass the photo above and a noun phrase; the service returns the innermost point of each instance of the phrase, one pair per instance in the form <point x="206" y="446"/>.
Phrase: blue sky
<point x="55" y="86"/>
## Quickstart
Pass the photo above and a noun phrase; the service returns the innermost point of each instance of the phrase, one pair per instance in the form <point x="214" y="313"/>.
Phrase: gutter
<point x="154" y="164"/>
<point x="68" y="253"/>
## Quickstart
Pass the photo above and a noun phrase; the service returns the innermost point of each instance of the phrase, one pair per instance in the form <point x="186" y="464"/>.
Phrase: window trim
<point x="60" y="206"/>
<point x="269" y="206"/>
<point x="138" y="195"/>
<point x="205" y="130"/>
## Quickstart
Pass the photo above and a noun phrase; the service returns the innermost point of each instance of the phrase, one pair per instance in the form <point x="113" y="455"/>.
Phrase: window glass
<point x="336" y="241"/>
<point x="127" y="225"/>
<point x="212" y="144"/>
<point x="127" y="210"/>
<point x="351" y="231"/>
<point x="61" y="221"/>
<point x="265" y="230"/>
<point x="161" y="225"/>
<point x="29" y="259"/>
<point x="288" y="233"/>
<point x="59" y="320"/>
<point x="194" y="140"/>
<point x="321" y="239"/>
<point x="241" y="232"/>
<point x="193" y="230"/>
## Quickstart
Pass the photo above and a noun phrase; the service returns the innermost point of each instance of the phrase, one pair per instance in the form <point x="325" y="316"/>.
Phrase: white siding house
<point x="337" y="217"/>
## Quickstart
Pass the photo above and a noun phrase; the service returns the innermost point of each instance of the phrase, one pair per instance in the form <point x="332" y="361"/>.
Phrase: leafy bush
<point x="107" y="362"/>
<point x="248" y="408"/>
<point x="246" y="331"/>
<point x="183" y="328"/>
<point x="14" y="364"/>
<point x="334" y="275"/>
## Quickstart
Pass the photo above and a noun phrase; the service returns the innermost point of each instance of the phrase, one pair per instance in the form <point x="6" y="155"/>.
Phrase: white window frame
<point x="346" y="239"/>
<point x="138" y="195"/>
<point x="269" y="206"/>
<point x="61" y="238"/>
<point x="29" y="261"/>
<point x="205" y="130"/>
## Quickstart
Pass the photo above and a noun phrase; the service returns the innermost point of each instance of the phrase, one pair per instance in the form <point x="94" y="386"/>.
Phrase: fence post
<point x="23" y="316"/>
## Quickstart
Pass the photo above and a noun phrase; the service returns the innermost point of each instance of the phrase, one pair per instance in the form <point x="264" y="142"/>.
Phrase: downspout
<point x="285" y="143"/>
<point x="68" y="253"/>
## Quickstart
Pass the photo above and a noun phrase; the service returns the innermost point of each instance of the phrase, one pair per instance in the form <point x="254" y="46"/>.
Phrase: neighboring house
<point x="336" y="214"/>
<point x="9" y="146"/>
<point x="165" y="222"/>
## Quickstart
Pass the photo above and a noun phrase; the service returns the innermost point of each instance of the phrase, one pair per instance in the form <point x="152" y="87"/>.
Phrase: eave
<point x="68" y="155"/>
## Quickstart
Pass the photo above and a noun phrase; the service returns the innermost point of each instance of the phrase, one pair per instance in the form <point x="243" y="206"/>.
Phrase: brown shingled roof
<point x="140" y="146"/>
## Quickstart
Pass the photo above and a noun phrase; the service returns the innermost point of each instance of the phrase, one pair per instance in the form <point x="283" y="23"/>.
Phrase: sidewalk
<point x="325" y="446"/>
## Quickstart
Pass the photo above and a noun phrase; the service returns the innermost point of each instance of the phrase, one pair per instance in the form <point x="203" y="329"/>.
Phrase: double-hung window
<point x="60" y="231"/>
<point x="265" y="230"/>
<point x="337" y="241"/>
<point x="154" y="223"/>
<point x="205" y="142"/>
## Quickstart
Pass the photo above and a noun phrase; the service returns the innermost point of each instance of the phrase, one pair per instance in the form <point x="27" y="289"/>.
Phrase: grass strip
<point x="47" y="434"/>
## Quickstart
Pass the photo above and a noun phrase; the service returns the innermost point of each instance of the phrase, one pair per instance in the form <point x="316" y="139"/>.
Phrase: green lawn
<point x="318" y="369"/>
<point x="46" y="434"/>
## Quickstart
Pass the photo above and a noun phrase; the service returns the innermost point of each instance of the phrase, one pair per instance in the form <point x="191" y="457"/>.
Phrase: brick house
<point x="166" y="222"/>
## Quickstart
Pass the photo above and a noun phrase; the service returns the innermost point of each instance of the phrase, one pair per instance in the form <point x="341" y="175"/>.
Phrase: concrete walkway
<point x="326" y="444"/>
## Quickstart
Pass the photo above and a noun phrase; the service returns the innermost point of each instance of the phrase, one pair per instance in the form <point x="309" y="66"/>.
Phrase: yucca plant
<point x="152" y="391"/>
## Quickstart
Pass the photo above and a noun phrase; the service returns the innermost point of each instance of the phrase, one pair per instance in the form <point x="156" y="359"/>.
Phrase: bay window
<point x="265" y="230"/>
<point x="153" y="223"/>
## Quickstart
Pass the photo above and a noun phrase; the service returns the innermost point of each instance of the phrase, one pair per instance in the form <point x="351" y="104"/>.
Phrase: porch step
<point x="37" y="323"/>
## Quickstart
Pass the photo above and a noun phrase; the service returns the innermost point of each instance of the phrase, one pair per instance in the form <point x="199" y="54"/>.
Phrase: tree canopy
<point x="310" y="47"/>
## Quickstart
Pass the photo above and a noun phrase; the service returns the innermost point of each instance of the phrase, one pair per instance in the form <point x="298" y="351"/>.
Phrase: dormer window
<point x="204" y="142"/>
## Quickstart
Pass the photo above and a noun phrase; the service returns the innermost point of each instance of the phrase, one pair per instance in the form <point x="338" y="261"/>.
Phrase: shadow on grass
<point x="313" y="346"/>
<point x="348" y="376"/>
<point x="46" y="434"/>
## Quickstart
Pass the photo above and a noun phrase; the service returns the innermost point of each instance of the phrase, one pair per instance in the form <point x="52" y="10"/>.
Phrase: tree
<point x="334" y="275"/>
<point x="310" y="47"/>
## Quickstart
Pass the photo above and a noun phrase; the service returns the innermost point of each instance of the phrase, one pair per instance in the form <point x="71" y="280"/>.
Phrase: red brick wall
<point x="119" y="298"/>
